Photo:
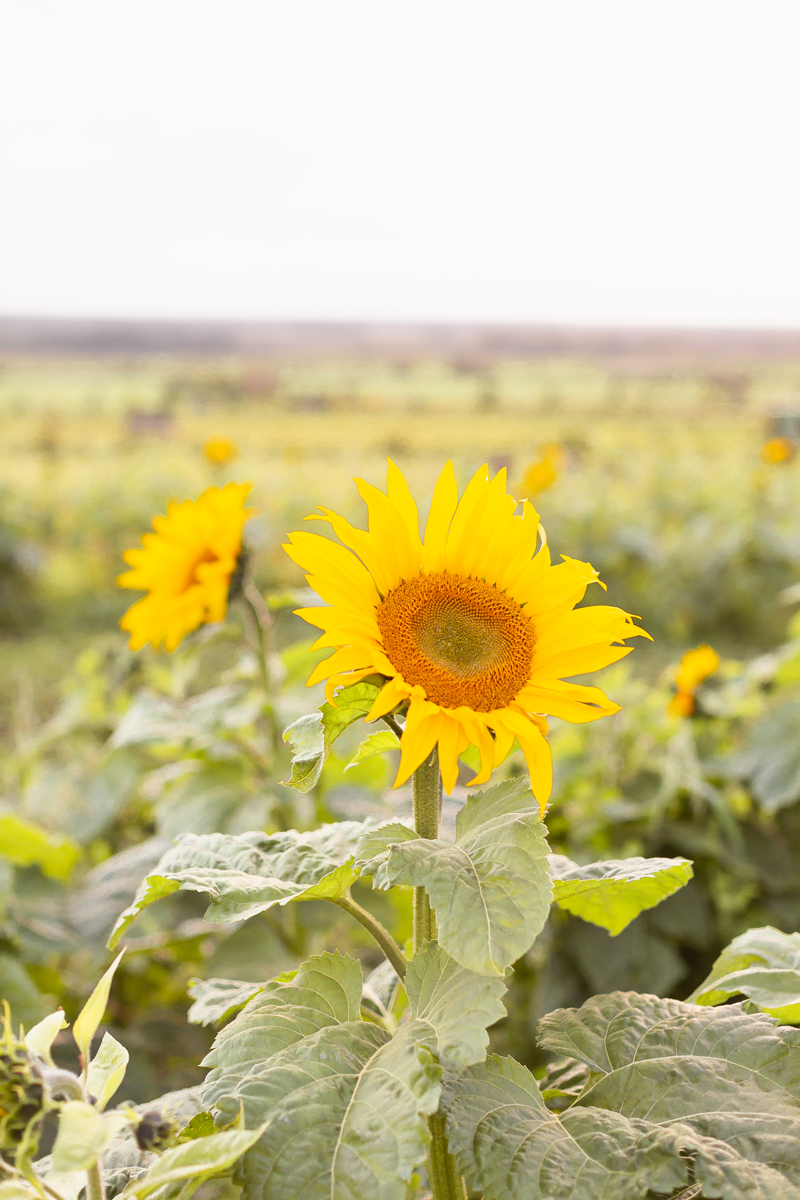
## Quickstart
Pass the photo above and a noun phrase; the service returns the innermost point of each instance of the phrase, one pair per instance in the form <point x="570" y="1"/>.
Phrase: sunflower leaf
<point x="250" y="873"/>
<point x="510" y="1147"/>
<point x="491" y="891"/>
<point x="216" y="999"/>
<point x="728" y="1074"/>
<point x="298" y="1057"/>
<point x="611" y="894"/>
<point x="312" y="736"/>
<point x="762" y="964"/>
<point x="457" y="1004"/>
<point x="376" y="743"/>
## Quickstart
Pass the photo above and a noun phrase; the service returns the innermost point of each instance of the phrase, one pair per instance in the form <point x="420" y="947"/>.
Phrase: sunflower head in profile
<point x="185" y="565"/>
<point x="472" y="628"/>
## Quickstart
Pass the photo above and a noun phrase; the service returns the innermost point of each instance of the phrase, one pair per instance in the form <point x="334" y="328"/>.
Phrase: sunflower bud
<point x="22" y="1095"/>
<point x="154" y="1131"/>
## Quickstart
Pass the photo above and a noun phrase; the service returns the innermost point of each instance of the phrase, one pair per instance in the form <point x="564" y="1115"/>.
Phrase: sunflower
<point x="219" y="450"/>
<point x="185" y="566"/>
<point x="473" y="628"/>
<point x="695" y="666"/>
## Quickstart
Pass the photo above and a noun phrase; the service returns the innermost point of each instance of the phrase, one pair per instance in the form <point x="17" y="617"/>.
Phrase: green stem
<point x="427" y="786"/>
<point x="444" y="1178"/>
<point x="260" y="629"/>
<point x="443" y="1174"/>
<point x="382" y="936"/>
<point x="263" y="626"/>
<point x="95" y="1189"/>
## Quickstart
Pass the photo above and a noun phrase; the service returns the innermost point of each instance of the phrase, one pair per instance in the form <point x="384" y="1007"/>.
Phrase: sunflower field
<point x="400" y="782"/>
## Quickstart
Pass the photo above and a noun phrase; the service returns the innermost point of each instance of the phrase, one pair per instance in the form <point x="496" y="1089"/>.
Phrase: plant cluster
<point x="325" y="1079"/>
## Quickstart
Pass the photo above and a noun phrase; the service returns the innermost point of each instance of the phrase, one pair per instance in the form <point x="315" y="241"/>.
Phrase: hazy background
<point x="570" y="162"/>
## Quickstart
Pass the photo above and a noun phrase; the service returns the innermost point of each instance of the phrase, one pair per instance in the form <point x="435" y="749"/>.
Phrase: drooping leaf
<point x="457" y="1004"/>
<point x="613" y="893"/>
<point x="491" y="891"/>
<point x="665" y="1060"/>
<point x="511" y="1148"/>
<point x="250" y="873"/>
<point x="312" y="736"/>
<point x="217" y="999"/>
<point x="344" y="1103"/>
<point x="90" y="1016"/>
<point x="25" y="844"/>
<point x="375" y="743"/>
<point x="762" y="964"/>
<point x="197" y="1160"/>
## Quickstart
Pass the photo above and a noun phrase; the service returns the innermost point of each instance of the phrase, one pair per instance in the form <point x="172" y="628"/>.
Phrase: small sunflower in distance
<point x="472" y="628"/>
<point x="696" y="665"/>
<point x="185" y="566"/>
<point x="219" y="451"/>
<point x="778" y="450"/>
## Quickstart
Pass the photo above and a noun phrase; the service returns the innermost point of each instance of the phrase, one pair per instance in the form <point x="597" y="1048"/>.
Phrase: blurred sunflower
<point x="219" y="451"/>
<point x="473" y="628"/>
<point x="185" y="566"/>
<point x="695" y="666"/>
<point x="545" y="470"/>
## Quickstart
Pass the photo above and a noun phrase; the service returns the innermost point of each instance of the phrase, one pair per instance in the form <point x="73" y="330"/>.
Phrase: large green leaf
<point x="312" y="736"/>
<point x="325" y="991"/>
<point x="247" y="874"/>
<point x="665" y="1060"/>
<point x="457" y="1004"/>
<point x="613" y="893"/>
<point x="511" y="1148"/>
<point x="491" y="891"/>
<point x="762" y="964"/>
<point x="344" y="1103"/>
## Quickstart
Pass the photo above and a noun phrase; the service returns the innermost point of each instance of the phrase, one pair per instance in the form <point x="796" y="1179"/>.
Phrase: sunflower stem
<point x="443" y="1174"/>
<point x="427" y="787"/>
<point x="382" y="936"/>
<point x="95" y="1187"/>
<point x="259" y="628"/>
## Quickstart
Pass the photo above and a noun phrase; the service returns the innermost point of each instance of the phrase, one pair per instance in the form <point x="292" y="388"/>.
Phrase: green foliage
<point x="490" y="891"/>
<point x="613" y="893"/>
<point x="311" y="737"/>
<point x="511" y="1148"/>
<point x="249" y="874"/>
<point x="762" y="964"/>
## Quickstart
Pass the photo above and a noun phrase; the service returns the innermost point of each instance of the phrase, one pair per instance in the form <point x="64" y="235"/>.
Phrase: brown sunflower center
<point x="464" y="641"/>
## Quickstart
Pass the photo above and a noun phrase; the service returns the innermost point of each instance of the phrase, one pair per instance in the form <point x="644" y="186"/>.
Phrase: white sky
<point x="578" y="161"/>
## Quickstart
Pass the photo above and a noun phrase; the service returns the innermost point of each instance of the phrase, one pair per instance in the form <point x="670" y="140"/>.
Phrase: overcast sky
<point x="578" y="161"/>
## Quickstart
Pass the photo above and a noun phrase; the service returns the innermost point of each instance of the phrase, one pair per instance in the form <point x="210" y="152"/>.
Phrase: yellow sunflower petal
<point x="423" y="729"/>
<point x="537" y="754"/>
<point x="453" y="741"/>
<point x="473" y="494"/>
<point x="348" y="658"/>
<point x="443" y="506"/>
<point x="570" y="701"/>
<point x="389" y="536"/>
<point x="403" y="501"/>
<point x="393" y="692"/>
